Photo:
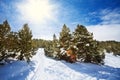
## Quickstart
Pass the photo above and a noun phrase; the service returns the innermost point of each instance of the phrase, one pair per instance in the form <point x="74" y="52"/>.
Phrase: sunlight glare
<point x="36" y="10"/>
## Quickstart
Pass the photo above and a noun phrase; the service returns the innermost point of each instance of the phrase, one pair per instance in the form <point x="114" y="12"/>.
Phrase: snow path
<point x="44" y="68"/>
<point x="39" y="70"/>
<point x="50" y="69"/>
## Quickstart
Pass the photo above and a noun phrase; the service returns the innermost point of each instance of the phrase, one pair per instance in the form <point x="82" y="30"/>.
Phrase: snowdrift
<point x="44" y="68"/>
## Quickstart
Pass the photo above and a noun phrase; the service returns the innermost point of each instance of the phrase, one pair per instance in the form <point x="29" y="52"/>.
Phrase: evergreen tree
<point x="64" y="44"/>
<point x="4" y="31"/>
<point x="65" y="37"/>
<point x="12" y="44"/>
<point x="54" y="41"/>
<point x="87" y="48"/>
<point x="56" y="48"/>
<point x="25" y="43"/>
<point x="49" y="48"/>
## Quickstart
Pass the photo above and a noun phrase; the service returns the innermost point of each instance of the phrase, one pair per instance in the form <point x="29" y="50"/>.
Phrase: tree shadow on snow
<point x="97" y="71"/>
<point x="17" y="70"/>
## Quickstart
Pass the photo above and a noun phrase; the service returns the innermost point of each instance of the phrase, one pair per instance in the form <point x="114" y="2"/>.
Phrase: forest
<point x="69" y="46"/>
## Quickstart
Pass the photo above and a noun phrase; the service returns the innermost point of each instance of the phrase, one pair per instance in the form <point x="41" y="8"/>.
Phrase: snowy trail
<point x="39" y="61"/>
<point x="50" y="69"/>
<point x="38" y="74"/>
<point x="44" y="68"/>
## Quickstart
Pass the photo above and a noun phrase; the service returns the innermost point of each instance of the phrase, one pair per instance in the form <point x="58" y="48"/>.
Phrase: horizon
<point x="46" y="17"/>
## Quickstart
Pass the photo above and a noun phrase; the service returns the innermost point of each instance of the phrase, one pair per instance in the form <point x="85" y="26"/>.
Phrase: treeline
<point x="110" y="47"/>
<point x="16" y="45"/>
<point x="41" y="43"/>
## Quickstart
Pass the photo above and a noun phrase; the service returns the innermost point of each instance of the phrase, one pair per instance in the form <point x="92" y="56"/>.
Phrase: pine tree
<point x="25" y="43"/>
<point x="48" y="48"/>
<point x="56" y="49"/>
<point x="65" y="37"/>
<point x="87" y="47"/>
<point x="4" y="31"/>
<point x="54" y="41"/>
<point x="64" y="43"/>
<point x="12" y="44"/>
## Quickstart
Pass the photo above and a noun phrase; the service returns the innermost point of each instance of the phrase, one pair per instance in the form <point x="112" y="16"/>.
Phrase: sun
<point x="36" y="10"/>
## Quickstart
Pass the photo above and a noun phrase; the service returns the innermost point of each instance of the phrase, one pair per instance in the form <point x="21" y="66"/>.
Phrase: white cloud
<point x="105" y="32"/>
<point x="110" y="16"/>
<point x="109" y="28"/>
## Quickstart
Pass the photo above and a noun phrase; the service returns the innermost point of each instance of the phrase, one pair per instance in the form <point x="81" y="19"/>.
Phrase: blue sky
<point x="46" y="17"/>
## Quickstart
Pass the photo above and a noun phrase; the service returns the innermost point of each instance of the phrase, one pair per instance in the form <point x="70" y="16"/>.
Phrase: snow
<point x="62" y="51"/>
<point x="44" y="68"/>
<point x="111" y="60"/>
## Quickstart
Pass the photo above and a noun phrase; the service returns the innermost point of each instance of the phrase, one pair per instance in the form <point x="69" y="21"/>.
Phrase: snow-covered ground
<point x="111" y="60"/>
<point x="44" y="68"/>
